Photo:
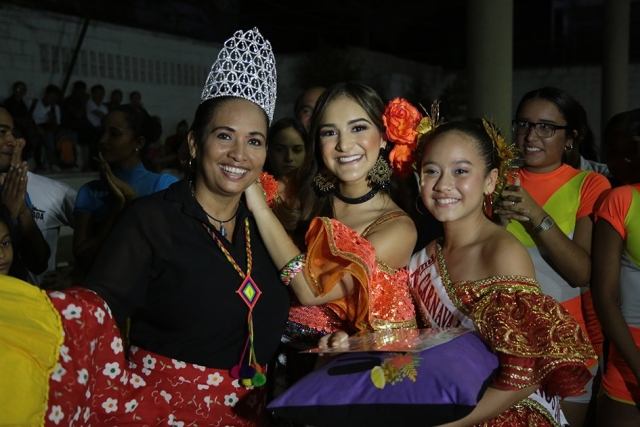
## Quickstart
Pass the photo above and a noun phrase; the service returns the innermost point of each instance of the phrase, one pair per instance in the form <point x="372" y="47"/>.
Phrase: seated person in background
<point x="18" y="107"/>
<point x="115" y="99"/>
<point x="287" y="150"/>
<point x="52" y="203"/>
<point x="46" y="114"/>
<point x="13" y="186"/>
<point x="127" y="131"/>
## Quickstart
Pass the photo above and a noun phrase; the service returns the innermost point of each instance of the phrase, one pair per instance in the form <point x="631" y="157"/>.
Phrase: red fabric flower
<point x="269" y="186"/>
<point x="401" y="119"/>
<point x="401" y="159"/>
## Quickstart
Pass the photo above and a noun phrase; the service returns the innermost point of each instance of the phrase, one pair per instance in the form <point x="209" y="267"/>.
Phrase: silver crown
<point x="245" y="68"/>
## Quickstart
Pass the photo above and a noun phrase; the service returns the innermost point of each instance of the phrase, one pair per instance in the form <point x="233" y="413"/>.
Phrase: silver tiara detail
<point x="245" y="68"/>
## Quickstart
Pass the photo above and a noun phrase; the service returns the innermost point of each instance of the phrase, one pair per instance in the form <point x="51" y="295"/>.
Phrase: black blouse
<point x="160" y="267"/>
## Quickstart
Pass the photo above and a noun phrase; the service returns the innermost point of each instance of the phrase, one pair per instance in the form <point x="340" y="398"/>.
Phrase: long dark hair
<point x="576" y="117"/>
<point x="311" y="205"/>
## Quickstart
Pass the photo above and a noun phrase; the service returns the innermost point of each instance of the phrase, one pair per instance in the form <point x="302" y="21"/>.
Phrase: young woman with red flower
<point x="354" y="236"/>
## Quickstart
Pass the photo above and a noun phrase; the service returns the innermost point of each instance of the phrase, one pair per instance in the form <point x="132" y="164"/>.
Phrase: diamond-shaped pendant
<point x="249" y="292"/>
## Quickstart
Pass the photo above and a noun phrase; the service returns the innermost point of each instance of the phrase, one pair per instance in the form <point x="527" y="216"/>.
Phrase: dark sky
<point x="428" y="31"/>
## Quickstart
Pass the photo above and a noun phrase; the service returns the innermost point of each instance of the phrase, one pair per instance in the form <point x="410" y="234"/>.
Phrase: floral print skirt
<point x="96" y="384"/>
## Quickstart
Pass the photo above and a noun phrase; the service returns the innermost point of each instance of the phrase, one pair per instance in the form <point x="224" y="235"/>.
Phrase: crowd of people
<point x="193" y="294"/>
<point x="62" y="133"/>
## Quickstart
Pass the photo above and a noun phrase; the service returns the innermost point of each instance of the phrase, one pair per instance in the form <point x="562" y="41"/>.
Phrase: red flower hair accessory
<point x="401" y="119"/>
<point x="269" y="187"/>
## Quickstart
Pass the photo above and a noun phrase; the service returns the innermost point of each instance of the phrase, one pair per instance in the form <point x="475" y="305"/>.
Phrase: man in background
<point x="305" y="104"/>
<point x="34" y="249"/>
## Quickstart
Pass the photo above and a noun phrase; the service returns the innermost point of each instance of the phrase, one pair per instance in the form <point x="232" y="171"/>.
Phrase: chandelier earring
<point x="324" y="182"/>
<point x="379" y="176"/>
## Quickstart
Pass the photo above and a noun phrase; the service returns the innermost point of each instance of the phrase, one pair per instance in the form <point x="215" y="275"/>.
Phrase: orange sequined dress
<point x="381" y="298"/>
<point x="536" y="339"/>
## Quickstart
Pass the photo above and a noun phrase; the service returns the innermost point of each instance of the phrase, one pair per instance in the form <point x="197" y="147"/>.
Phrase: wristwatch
<point x="547" y="223"/>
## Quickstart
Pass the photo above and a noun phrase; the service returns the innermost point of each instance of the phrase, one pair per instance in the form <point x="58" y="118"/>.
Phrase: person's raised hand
<point x="14" y="189"/>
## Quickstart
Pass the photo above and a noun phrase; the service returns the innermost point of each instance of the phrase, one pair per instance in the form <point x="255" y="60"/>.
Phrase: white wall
<point x="168" y="71"/>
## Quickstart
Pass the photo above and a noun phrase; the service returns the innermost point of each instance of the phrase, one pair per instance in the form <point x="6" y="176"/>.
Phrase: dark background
<point x="546" y="32"/>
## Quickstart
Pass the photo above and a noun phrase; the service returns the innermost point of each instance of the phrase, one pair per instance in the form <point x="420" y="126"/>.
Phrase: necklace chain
<point x="223" y="230"/>
<point x="228" y="255"/>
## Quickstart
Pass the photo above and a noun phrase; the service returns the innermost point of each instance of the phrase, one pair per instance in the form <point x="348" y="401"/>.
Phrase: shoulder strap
<point x="384" y="218"/>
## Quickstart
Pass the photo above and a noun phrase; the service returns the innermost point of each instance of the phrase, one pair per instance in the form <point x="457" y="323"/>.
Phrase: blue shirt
<point x="93" y="197"/>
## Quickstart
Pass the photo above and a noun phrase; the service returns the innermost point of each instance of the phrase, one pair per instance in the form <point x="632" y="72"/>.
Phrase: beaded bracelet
<point x="292" y="268"/>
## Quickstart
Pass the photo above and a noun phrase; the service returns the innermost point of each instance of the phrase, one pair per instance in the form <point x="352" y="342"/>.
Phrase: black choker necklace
<point x="356" y="200"/>
<point x="223" y="231"/>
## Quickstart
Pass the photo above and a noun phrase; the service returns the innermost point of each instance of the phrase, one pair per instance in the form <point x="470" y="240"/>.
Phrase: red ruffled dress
<point x="381" y="300"/>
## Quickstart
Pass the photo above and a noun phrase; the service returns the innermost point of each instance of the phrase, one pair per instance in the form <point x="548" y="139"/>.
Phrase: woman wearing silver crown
<point x="188" y="269"/>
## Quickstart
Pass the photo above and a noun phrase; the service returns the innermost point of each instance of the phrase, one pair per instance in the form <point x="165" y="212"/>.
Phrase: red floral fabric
<point x="97" y="384"/>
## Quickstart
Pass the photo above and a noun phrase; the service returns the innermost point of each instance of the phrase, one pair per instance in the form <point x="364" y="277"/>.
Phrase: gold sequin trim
<point x="381" y="325"/>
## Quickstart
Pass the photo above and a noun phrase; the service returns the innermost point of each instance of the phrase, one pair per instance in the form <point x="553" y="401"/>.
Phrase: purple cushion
<point x="436" y="386"/>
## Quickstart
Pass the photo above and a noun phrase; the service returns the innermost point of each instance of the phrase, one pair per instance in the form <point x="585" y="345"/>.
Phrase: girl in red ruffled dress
<point x="347" y="234"/>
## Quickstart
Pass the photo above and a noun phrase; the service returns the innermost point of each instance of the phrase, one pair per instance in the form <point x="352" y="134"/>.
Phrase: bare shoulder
<point x="395" y="224"/>
<point x="394" y="240"/>
<point x="504" y="255"/>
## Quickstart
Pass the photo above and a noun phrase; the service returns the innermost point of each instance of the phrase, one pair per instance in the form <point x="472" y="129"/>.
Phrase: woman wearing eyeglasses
<point x="549" y="207"/>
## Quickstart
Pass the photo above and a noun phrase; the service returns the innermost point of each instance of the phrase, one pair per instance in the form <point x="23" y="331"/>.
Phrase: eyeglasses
<point x="543" y="130"/>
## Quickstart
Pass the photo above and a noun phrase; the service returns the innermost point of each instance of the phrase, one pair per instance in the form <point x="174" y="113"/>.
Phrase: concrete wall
<point x="168" y="71"/>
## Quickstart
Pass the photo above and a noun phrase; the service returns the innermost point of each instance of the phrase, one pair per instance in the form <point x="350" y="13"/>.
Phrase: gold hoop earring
<point x="418" y="206"/>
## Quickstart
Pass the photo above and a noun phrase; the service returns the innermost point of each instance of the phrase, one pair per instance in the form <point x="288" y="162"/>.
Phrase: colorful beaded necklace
<point x="252" y="373"/>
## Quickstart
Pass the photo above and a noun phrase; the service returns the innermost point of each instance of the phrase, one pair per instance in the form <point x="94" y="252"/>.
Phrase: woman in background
<point x="128" y="129"/>
<point x="615" y="276"/>
<point x="549" y="209"/>
<point x="287" y="151"/>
